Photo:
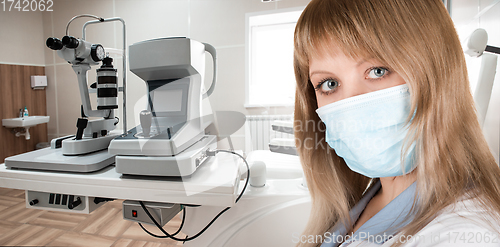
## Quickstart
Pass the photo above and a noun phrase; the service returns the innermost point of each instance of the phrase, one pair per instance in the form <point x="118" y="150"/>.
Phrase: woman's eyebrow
<point x="364" y="61"/>
<point x="320" y="72"/>
<point x="361" y="62"/>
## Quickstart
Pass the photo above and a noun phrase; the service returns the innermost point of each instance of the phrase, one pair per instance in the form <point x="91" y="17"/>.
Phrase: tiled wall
<point x="21" y="38"/>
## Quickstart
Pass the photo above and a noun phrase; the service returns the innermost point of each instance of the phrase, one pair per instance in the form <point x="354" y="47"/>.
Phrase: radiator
<point x="258" y="131"/>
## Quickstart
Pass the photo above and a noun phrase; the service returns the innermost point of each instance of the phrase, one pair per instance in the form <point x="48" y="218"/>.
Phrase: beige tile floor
<point x="20" y="226"/>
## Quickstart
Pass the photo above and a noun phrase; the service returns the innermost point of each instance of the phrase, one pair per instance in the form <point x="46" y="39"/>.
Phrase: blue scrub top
<point x="382" y="226"/>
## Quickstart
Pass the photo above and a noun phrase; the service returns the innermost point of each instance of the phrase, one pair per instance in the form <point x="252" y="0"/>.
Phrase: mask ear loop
<point x="409" y="140"/>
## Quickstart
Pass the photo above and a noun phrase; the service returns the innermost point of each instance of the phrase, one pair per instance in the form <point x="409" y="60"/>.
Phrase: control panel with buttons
<point x="63" y="202"/>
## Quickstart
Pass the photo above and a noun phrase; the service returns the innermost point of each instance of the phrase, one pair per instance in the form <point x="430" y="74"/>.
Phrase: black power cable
<point x="171" y="236"/>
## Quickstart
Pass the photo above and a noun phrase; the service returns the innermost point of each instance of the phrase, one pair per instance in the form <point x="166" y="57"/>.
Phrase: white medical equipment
<point x="85" y="151"/>
<point x="171" y="139"/>
<point x="476" y="46"/>
<point x="92" y="135"/>
<point x="272" y="215"/>
<point x="283" y="145"/>
<point x="168" y="147"/>
<point x="256" y="220"/>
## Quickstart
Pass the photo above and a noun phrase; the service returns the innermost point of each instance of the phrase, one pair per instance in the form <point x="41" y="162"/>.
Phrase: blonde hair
<point x="417" y="40"/>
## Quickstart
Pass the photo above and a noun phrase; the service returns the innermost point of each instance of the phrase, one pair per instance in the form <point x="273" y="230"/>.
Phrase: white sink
<point x="24" y="121"/>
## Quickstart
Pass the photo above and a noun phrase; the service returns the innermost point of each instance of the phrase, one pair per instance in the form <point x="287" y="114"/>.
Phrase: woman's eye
<point x="327" y="86"/>
<point x="376" y="73"/>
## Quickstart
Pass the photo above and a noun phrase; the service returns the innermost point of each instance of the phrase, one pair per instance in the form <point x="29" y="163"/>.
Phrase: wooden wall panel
<point x="15" y="93"/>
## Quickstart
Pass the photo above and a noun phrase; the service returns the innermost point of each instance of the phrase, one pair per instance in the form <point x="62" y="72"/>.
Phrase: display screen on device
<point x="167" y="100"/>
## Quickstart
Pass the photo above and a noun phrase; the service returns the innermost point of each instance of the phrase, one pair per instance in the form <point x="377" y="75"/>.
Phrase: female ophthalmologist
<point x="386" y="83"/>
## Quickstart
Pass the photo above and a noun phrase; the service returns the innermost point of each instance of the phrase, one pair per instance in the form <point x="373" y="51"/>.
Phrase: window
<point x="270" y="80"/>
<point x="447" y="4"/>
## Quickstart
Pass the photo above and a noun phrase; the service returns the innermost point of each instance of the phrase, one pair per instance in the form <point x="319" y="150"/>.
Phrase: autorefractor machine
<point x="169" y="163"/>
<point x="171" y="139"/>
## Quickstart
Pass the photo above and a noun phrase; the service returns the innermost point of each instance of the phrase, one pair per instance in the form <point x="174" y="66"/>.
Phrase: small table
<point x="215" y="183"/>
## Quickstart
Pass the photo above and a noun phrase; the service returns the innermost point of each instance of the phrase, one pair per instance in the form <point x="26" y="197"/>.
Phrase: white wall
<point x="20" y="36"/>
<point x="464" y="13"/>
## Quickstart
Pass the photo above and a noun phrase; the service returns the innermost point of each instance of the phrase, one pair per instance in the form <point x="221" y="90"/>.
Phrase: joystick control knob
<point x="74" y="204"/>
<point x="34" y="202"/>
<point x="145" y="117"/>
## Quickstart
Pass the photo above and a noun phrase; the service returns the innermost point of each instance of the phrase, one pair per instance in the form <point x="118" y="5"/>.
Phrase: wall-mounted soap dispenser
<point x="38" y="81"/>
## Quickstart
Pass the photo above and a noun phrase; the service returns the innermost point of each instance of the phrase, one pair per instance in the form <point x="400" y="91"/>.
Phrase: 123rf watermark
<point x="26" y="5"/>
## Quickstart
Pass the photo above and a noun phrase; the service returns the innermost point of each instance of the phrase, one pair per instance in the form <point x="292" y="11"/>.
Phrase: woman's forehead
<point x="334" y="49"/>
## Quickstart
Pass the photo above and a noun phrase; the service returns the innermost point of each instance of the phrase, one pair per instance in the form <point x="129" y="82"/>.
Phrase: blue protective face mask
<point x="368" y="131"/>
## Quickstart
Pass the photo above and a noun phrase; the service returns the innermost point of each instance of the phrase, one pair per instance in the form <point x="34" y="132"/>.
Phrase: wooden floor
<point x="105" y="226"/>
